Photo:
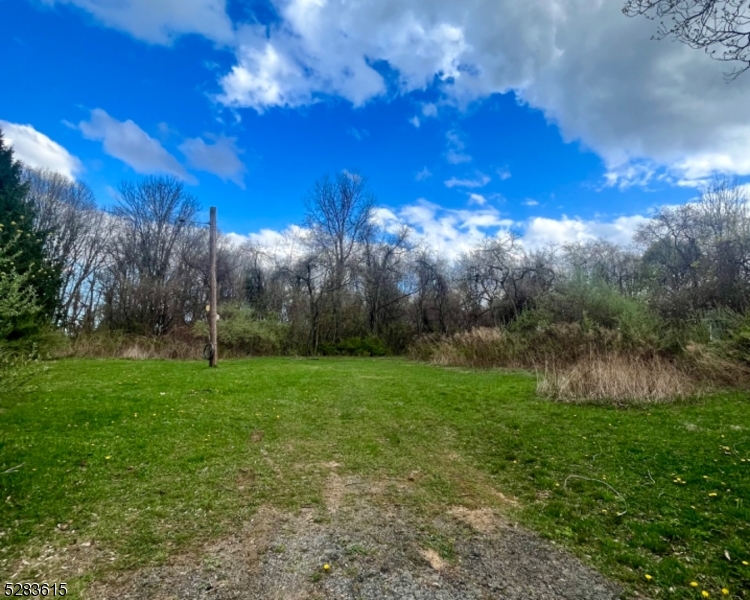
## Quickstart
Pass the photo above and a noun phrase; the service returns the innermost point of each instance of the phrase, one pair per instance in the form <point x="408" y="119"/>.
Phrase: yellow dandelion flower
<point x="725" y="591"/>
<point x="713" y="494"/>
<point x="705" y="594"/>
<point x="107" y="457"/>
<point x="693" y="584"/>
<point x="744" y="562"/>
<point x="648" y="577"/>
<point x="326" y="567"/>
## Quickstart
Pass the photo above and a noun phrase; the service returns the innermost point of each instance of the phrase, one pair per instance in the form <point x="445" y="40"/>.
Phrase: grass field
<point x="151" y="457"/>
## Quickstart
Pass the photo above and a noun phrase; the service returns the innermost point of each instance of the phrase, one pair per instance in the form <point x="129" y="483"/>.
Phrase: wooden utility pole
<point x="214" y="294"/>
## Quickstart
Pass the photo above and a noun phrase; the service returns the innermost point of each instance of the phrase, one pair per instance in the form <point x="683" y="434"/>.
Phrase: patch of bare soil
<point x="374" y="550"/>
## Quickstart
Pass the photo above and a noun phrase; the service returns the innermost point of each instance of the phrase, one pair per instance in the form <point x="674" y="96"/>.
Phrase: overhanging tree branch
<point x="719" y="27"/>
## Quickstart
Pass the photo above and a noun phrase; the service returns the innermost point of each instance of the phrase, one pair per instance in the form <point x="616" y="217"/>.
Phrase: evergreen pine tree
<point x="18" y="237"/>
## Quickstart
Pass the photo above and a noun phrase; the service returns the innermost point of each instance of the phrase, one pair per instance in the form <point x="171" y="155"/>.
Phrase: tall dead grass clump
<point x="135" y="353"/>
<point x="482" y="347"/>
<point x="486" y="347"/>
<point x="717" y="367"/>
<point x="617" y="378"/>
<point x="180" y="344"/>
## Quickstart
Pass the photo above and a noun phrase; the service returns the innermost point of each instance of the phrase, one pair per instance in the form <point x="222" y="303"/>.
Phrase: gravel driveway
<point x="374" y="551"/>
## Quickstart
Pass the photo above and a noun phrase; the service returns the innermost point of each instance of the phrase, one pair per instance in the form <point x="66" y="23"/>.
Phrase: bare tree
<point x="698" y="254"/>
<point x="383" y="268"/>
<point x="146" y="281"/>
<point x="339" y="215"/>
<point x="601" y="260"/>
<point x="432" y="306"/>
<point x="77" y="234"/>
<point x="720" y="27"/>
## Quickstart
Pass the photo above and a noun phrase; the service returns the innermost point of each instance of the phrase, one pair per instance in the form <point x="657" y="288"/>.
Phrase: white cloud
<point x="480" y="180"/>
<point x="477" y="199"/>
<point x="160" y="21"/>
<point x="592" y="71"/>
<point x="423" y="174"/>
<point x="127" y="142"/>
<point x="280" y="247"/>
<point x="530" y="202"/>
<point x="37" y="150"/>
<point x="540" y="231"/>
<point x="455" y="149"/>
<point x="429" y="109"/>
<point x="220" y="158"/>
<point x="327" y="48"/>
<point x="359" y="134"/>
<point x="274" y="247"/>
<point x="503" y="173"/>
<point x="452" y="232"/>
<point x="237" y="239"/>
<point x="415" y="121"/>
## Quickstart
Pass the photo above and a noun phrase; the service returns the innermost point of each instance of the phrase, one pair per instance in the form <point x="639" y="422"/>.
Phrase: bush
<point x="241" y="333"/>
<point x="20" y="360"/>
<point x="356" y="346"/>
<point x="19" y="309"/>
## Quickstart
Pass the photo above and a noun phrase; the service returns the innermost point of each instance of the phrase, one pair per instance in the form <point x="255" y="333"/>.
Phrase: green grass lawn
<point x="149" y="458"/>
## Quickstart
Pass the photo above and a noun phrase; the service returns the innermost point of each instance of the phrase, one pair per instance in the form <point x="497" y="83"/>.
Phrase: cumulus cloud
<point x="592" y="71"/>
<point x="220" y="158"/>
<point x="448" y="231"/>
<point x="415" y="121"/>
<point x="530" y="202"/>
<point x="160" y="21"/>
<point x="596" y="74"/>
<point x="540" y="231"/>
<point x="452" y="232"/>
<point x="329" y="48"/>
<point x="423" y="174"/>
<point x="127" y="142"/>
<point x="477" y="199"/>
<point x="37" y="150"/>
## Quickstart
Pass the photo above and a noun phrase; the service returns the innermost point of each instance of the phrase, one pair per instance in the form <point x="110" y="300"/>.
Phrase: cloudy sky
<point x="559" y="118"/>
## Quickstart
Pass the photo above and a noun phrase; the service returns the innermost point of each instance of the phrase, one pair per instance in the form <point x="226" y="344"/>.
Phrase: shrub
<point x="19" y="309"/>
<point x="241" y="333"/>
<point x="356" y="346"/>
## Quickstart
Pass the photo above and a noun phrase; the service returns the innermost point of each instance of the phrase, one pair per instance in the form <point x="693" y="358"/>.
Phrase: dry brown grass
<point x="135" y="353"/>
<point x="618" y="379"/>
<point x="719" y="369"/>
<point x="177" y="345"/>
<point x="563" y="343"/>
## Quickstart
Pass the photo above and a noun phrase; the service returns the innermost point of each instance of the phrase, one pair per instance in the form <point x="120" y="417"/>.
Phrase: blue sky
<point x="562" y="122"/>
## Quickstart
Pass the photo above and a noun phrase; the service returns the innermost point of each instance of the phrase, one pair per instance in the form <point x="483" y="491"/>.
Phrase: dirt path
<point x="374" y="551"/>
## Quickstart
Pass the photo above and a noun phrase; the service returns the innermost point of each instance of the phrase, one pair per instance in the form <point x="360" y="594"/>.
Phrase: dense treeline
<point x="345" y="282"/>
